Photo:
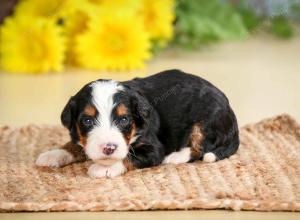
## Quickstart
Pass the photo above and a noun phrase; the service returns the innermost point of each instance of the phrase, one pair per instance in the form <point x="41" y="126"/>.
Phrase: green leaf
<point x="281" y="27"/>
<point x="202" y="22"/>
<point x="250" y="19"/>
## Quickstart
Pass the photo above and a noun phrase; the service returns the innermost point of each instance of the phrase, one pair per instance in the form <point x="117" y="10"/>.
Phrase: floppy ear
<point x="67" y="114"/>
<point x="144" y="111"/>
<point x="141" y="106"/>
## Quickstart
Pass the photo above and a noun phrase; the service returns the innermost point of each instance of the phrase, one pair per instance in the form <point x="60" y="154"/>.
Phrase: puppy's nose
<point x="109" y="148"/>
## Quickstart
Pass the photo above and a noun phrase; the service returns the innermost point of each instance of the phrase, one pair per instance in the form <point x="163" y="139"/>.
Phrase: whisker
<point x="133" y="151"/>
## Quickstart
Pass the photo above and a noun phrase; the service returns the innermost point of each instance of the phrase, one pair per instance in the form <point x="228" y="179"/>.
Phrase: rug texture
<point x="263" y="175"/>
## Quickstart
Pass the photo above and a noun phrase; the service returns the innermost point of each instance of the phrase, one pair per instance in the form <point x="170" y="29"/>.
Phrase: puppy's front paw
<point x="98" y="171"/>
<point x="54" y="158"/>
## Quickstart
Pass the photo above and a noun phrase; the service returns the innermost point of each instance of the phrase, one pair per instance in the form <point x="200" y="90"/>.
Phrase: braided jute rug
<point x="263" y="175"/>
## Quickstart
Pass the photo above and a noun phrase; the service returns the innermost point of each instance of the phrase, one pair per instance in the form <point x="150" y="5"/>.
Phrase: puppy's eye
<point x="88" y="122"/>
<point x="123" y="121"/>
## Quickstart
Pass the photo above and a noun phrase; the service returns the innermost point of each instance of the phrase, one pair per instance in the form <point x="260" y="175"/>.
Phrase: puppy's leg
<point x="182" y="156"/>
<point x="146" y="152"/>
<point x="98" y="171"/>
<point x="225" y="143"/>
<point x="69" y="153"/>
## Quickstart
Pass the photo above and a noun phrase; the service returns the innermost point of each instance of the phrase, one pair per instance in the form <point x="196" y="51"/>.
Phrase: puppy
<point x="171" y="117"/>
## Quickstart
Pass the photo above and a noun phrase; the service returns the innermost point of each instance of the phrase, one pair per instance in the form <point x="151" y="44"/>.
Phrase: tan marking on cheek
<point x="82" y="138"/>
<point x="128" y="164"/>
<point x="132" y="133"/>
<point x="121" y="110"/>
<point x="195" y="141"/>
<point x="90" y="111"/>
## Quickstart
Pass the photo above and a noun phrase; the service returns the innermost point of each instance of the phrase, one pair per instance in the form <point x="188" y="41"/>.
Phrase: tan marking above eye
<point x="90" y="110"/>
<point x="121" y="110"/>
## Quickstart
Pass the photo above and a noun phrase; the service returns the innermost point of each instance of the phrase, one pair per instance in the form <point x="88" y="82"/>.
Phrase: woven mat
<point x="263" y="175"/>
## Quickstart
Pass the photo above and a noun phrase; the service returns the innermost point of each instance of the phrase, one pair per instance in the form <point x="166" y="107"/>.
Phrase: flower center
<point x="35" y="50"/>
<point x="149" y="17"/>
<point x="50" y="9"/>
<point x="116" y="43"/>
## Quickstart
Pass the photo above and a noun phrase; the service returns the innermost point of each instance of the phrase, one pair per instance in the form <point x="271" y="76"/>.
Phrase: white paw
<point x="209" y="157"/>
<point x="54" y="158"/>
<point x="98" y="171"/>
<point x="182" y="156"/>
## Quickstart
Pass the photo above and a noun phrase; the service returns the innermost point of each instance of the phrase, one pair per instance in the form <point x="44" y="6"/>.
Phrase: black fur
<point x="178" y="101"/>
<point x="164" y="107"/>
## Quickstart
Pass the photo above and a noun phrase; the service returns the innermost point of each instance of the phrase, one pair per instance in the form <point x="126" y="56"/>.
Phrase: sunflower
<point x="78" y="19"/>
<point x="118" y="7"/>
<point x="31" y="45"/>
<point x="44" y="8"/>
<point x="114" y="43"/>
<point x="75" y="24"/>
<point x="158" y="17"/>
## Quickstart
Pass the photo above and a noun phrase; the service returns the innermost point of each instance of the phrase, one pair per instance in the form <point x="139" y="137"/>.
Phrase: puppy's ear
<point x="67" y="114"/>
<point x="141" y="106"/>
<point x="144" y="112"/>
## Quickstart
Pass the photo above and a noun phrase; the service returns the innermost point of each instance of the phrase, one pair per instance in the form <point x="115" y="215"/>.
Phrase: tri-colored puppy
<point x="170" y="117"/>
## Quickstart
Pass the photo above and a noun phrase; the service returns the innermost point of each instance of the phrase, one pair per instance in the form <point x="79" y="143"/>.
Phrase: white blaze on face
<point x="105" y="131"/>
